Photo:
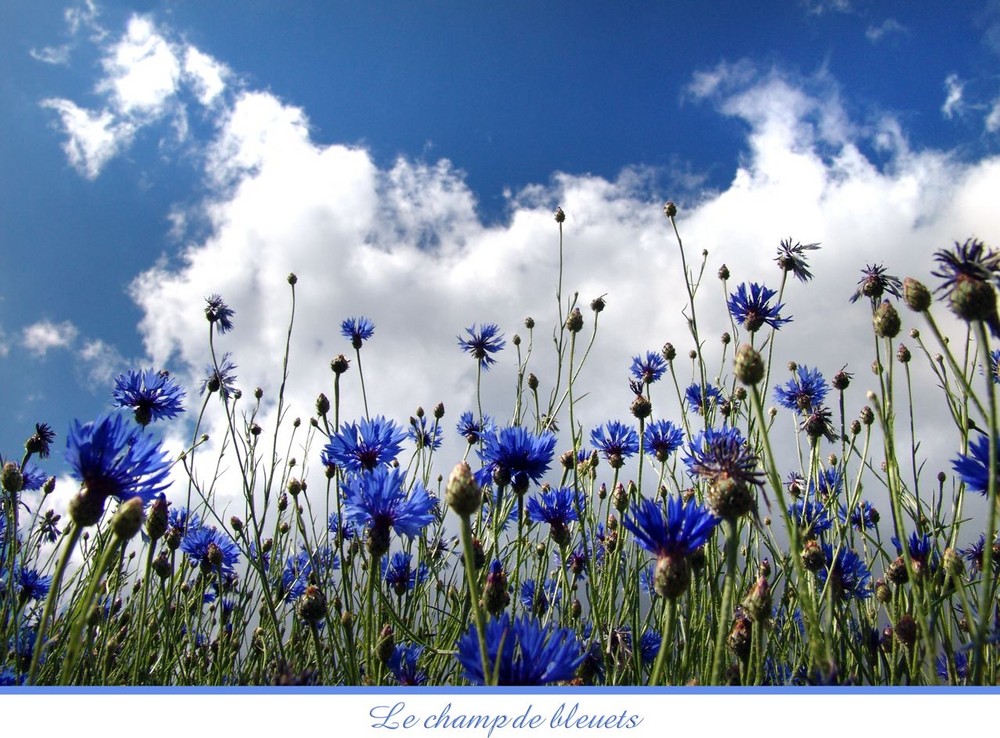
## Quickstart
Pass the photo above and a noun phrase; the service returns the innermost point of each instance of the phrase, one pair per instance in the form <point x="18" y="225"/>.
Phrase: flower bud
<point x="916" y="296"/>
<point x="886" y="320"/>
<point x="748" y="365"/>
<point x="128" y="519"/>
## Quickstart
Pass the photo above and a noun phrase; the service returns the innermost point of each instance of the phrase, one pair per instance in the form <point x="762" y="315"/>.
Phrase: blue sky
<point x="405" y="158"/>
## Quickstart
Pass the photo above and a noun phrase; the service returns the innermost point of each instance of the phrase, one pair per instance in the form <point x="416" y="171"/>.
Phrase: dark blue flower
<point x="40" y="441"/>
<point x="753" y="310"/>
<point x="677" y="532"/>
<point x="921" y="550"/>
<point x="219" y="313"/>
<point x="472" y="430"/>
<point x="111" y="459"/>
<point x="959" y="661"/>
<point x="862" y="517"/>
<point x="211" y="550"/>
<point x="183" y="520"/>
<point x="536" y="598"/>
<point x="661" y="438"/>
<point x="294" y="578"/>
<point x="357" y="330"/>
<point x="697" y="402"/>
<point x="521" y="652"/>
<point x="221" y="379"/>
<point x="792" y="258"/>
<point x="340" y="528"/>
<point x="357" y="448"/>
<point x="516" y="456"/>
<point x="577" y="561"/>
<point x="875" y="283"/>
<point x="558" y="508"/>
<point x="403" y="665"/>
<point x="32" y="478"/>
<point x="616" y="442"/>
<point x="976" y="554"/>
<point x="811" y="517"/>
<point x="649" y="646"/>
<point x="969" y="273"/>
<point x="482" y="344"/>
<point x="152" y="395"/>
<point x="849" y="576"/>
<point x="398" y="573"/>
<point x="28" y="584"/>
<point x="974" y="467"/>
<point x="803" y="393"/>
<point x="831" y="482"/>
<point x="994" y="363"/>
<point x="379" y="501"/>
<point x="716" y="454"/>
<point x="649" y="369"/>
<point x="425" y="435"/>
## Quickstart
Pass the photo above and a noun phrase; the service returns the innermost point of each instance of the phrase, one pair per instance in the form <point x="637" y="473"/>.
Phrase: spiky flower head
<point x="700" y="401"/>
<point x="482" y="344"/>
<point x="402" y="664"/>
<point x="616" y="442"/>
<point x="753" y="309"/>
<point x="357" y="330"/>
<point x="400" y="574"/>
<point x="672" y="534"/>
<point x="152" y="395"/>
<point x="557" y="507"/>
<point x="662" y="438"/>
<point x="364" y="446"/>
<point x="819" y="423"/>
<point x="220" y="379"/>
<point x="516" y="456"/>
<point x="846" y="572"/>
<point x="803" y="392"/>
<point x="211" y="550"/>
<point x="791" y="258"/>
<point x="973" y="468"/>
<point x="111" y="459"/>
<point x="812" y="518"/>
<point x="471" y="429"/>
<point x="875" y="282"/>
<point x="219" y="314"/>
<point x="40" y="441"/>
<point x="722" y="458"/>
<point x="378" y="500"/>
<point x="650" y="368"/>
<point x="522" y="651"/>
<point x="862" y="517"/>
<point x="969" y="272"/>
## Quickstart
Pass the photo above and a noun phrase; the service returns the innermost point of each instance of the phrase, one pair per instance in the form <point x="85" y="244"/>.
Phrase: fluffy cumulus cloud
<point x="403" y="246"/>
<point x="41" y="337"/>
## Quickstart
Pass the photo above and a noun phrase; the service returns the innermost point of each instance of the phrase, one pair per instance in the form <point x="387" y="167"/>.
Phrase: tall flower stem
<point x="361" y="374"/>
<point x="726" y="611"/>
<point x="669" y="622"/>
<point x="72" y="537"/>
<point x="473" y="585"/>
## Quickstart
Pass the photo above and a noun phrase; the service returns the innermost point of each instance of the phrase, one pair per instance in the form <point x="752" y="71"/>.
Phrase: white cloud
<point x="94" y="138"/>
<point x="58" y="55"/>
<point x="39" y="338"/>
<point x="100" y="362"/>
<point x="955" y="90"/>
<point x="993" y="117"/>
<point x="142" y="71"/>
<point x="888" y="27"/>
<point x="207" y="76"/>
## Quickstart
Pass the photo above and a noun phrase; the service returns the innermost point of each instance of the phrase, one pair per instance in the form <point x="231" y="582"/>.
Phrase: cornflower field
<point x="749" y="522"/>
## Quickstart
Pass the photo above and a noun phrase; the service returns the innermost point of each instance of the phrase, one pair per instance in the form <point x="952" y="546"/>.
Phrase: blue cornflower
<point x="340" y="528"/>
<point x="294" y="577"/>
<point x="111" y="459"/>
<point x="378" y="500"/>
<point x="48" y="526"/>
<point x="716" y="454"/>
<point x="522" y="652"/>
<point x="649" y="646"/>
<point x="661" y="438"/>
<point x="617" y="443"/>
<point x="959" y="662"/>
<point x="677" y="532"/>
<point x="753" y="310"/>
<point x="976" y="554"/>
<point x="647" y="580"/>
<point x="183" y="520"/>
<point x="398" y="573"/>
<point x="974" y="467"/>
<point x="32" y="478"/>
<point x="221" y="379"/>
<point x="577" y="561"/>
<point x="28" y="584"/>
<point x="219" y="313"/>
<point x="40" y="441"/>
<point x="847" y="572"/>
<point x="403" y="665"/>
<point x="861" y="518"/>
<point x="698" y="401"/>
<point x="968" y="274"/>
<point x="812" y="518"/>
<point x="792" y="258"/>
<point x="994" y="367"/>
<point x="804" y="393"/>
<point x="358" y="330"/>
<point x="483" y="344"/>
<point x="875" y="283"/>
<point x="365" y="447"/>
<point x="473" y="430"/>
<point x="831" y="482"/>
<point x="425" y="435"/>
<point x="558" y="508"/>
<point x="9" y="678"/>
<point x="921" y="550"/>
<point x="536" y="598"/>
<point x="211" y="550"/>
<point x="152" y="395"/>
<point x="516" y="456"/>
<point x="649" y="369"/>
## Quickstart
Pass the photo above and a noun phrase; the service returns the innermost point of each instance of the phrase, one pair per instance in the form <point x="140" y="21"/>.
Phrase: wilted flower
<point x="968" y="273"/>
<point x="792" y="258"/>
<point x="219" y="313"/>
